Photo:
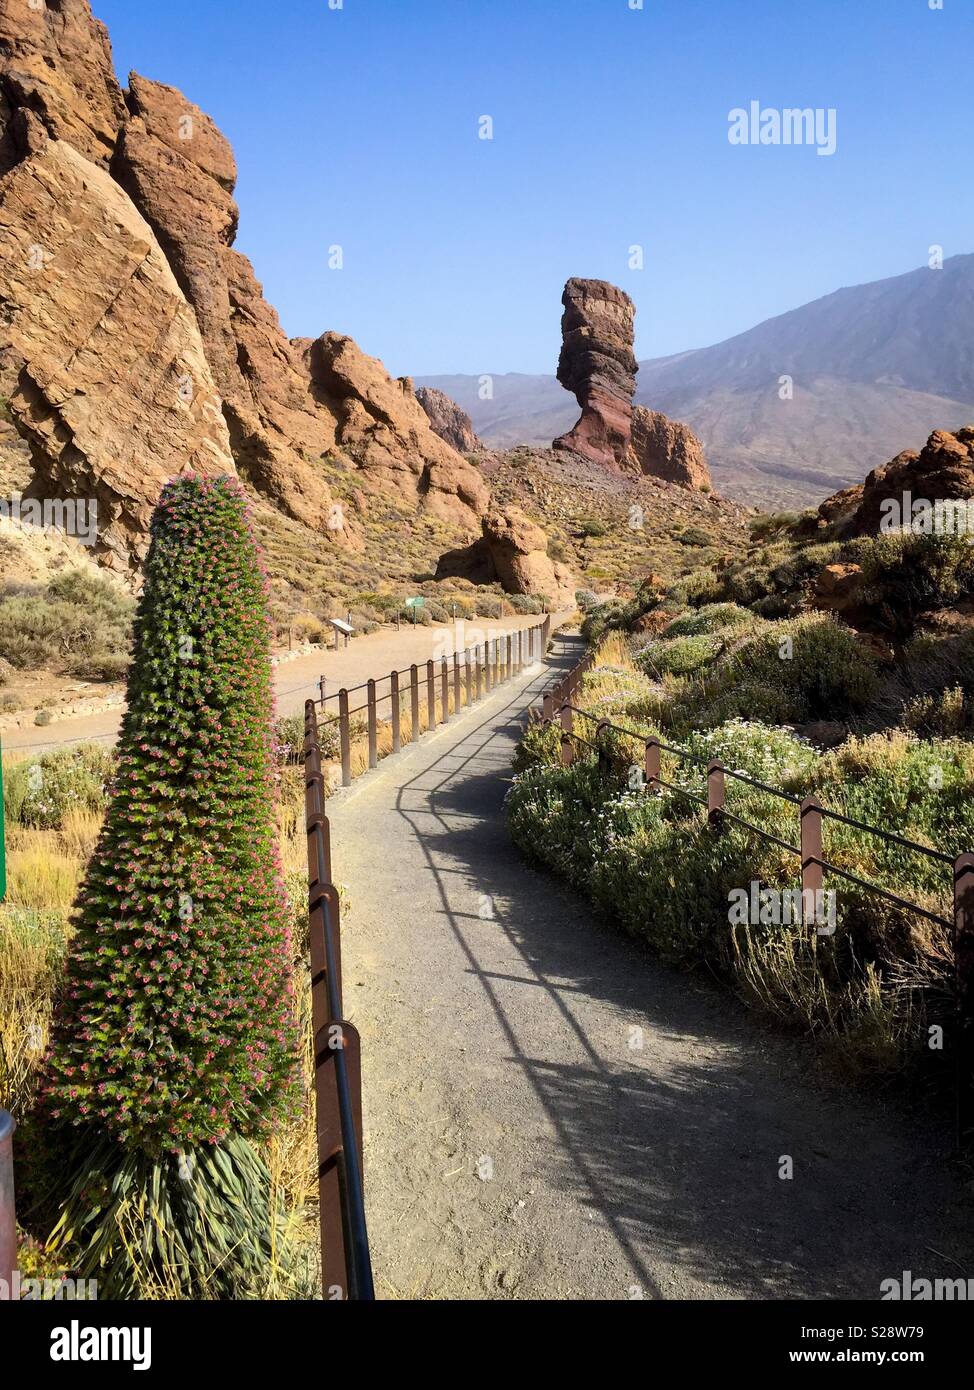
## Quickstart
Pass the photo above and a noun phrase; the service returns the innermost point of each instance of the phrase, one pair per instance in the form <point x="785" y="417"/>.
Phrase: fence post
<point x="487" y="666"/>
<point x="8" y="1215"/>
<point x="414" y="702"/>
<point x="964" y="975"/>
<point x="468" y="676"/>
<point x="478" y="673"/>
<point x="567" y="747"/>
<point x="510" y="656"/>
<point x="431" y="694"/>
<point x="548" y="705"/>
<point x="373" y="725"/>
<point x="715" y="793"/>
<point x="444" y="689"/>
<point x="345" y="737"/>
<point x="395" y="712"/>
<point x="653" y="766"/>
<point x="604" y="762"/>
<point x="456" y="682"/>
<point x="321" y="691"/>
<point x="811" y="847"/>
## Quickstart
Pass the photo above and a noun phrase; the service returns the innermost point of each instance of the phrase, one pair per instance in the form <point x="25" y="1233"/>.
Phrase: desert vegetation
<point x="868" y="710"/>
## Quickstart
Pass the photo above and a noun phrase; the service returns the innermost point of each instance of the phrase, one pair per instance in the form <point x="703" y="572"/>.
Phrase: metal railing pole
<point x="8" y="1212"/>
<point x="431" y="694"/>
<point x="395" y="711"/>
<point x="715" y="793"/>
<point x="653" y="770"/>
<point x="414" y="702"/>
<point x="810" y="843"/>
<point x="373" y="725"/>
<point x="344" y="737"/>
<point x="444" y="689"/>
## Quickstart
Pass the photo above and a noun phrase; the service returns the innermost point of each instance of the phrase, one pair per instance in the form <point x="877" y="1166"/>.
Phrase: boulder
<point x="838" y="588"/>
<point x="598" y="364"/>
<point x="514" y="552"/>
<point x="447" y="419"/>
<point x="667" y="449"/>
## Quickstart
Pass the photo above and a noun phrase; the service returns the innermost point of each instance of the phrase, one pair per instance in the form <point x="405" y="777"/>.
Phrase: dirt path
<point x="519" y="1147"/>
<point x="374" y="655"/>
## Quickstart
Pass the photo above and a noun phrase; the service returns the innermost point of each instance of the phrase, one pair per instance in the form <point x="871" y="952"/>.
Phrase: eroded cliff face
<point x="447" y="419"/>
<point x="138" y="342"/>
<point x="98" y="344"/>
<point x="667" y="449"/>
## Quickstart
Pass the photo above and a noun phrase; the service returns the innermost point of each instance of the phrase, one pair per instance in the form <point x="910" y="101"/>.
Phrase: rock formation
<point x="383" y="428"/>
<point x="56" y="61"/>
<point x="943" y="469"/>
<point x="598" y="364"/>
<point x="513" y="551"/>
<point x="664" y="448"/>
<point x="137" y="341"/>
<point x="447" y="419"/>
<point x="98" y="342"/>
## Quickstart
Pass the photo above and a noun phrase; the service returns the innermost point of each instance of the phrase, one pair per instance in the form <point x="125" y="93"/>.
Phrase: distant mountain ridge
<point x="874" y="367"/>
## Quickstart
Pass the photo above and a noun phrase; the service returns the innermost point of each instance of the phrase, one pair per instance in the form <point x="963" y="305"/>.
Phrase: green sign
<point x="415" y="602"/>
<point x="3" y="852"/>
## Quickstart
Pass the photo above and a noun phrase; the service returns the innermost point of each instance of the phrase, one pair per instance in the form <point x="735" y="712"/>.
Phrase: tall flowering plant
<point x="177" y="1035"/>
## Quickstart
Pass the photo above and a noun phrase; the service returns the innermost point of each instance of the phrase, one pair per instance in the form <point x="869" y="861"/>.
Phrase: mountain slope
<point x="875" y="368"/>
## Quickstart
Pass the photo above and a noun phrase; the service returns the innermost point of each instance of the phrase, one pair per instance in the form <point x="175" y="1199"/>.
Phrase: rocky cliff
<point x="137" y="341"/>
<point x="447" y="419"/>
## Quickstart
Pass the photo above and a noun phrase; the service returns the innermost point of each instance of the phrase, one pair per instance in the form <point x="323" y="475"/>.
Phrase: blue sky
<point x="358" y="127"/>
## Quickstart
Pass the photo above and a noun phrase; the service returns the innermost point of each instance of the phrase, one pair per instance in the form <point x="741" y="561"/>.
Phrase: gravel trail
<point x="518" y="1144"/>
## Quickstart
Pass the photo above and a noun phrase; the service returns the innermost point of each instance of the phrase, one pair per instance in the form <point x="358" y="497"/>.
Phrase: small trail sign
<point x="417" y="602"/>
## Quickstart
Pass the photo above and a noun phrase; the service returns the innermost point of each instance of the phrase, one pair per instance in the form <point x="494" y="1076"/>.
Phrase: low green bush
<point x="37" y="794"/>
<point x="78" y="623"/>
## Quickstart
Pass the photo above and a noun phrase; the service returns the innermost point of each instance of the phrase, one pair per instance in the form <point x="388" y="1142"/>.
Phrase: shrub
<point x="526" y="603"/>
<point x="487" y="606"/>
<point x="176" y="1043"/>
<point x="586" y="599"/>
<point x="713" y="617"/>
<point x="38" y="794"/>
<point x="77" y="618"/>
<point x="678" y="656"/>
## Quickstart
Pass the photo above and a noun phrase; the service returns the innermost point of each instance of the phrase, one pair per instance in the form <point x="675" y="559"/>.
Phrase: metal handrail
<point x="339" y="1036"/>
<point x="687" y="756"/>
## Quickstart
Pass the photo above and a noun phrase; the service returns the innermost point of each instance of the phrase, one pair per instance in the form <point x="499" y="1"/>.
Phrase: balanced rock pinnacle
<point x="598" y="364"/>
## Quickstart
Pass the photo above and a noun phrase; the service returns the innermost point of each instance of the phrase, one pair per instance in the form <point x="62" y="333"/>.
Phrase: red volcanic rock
<point x="663" y="448"/>
<point x="447" y="419"/>
<point x="598" y="364"/>
<point x="944" y="469"/>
